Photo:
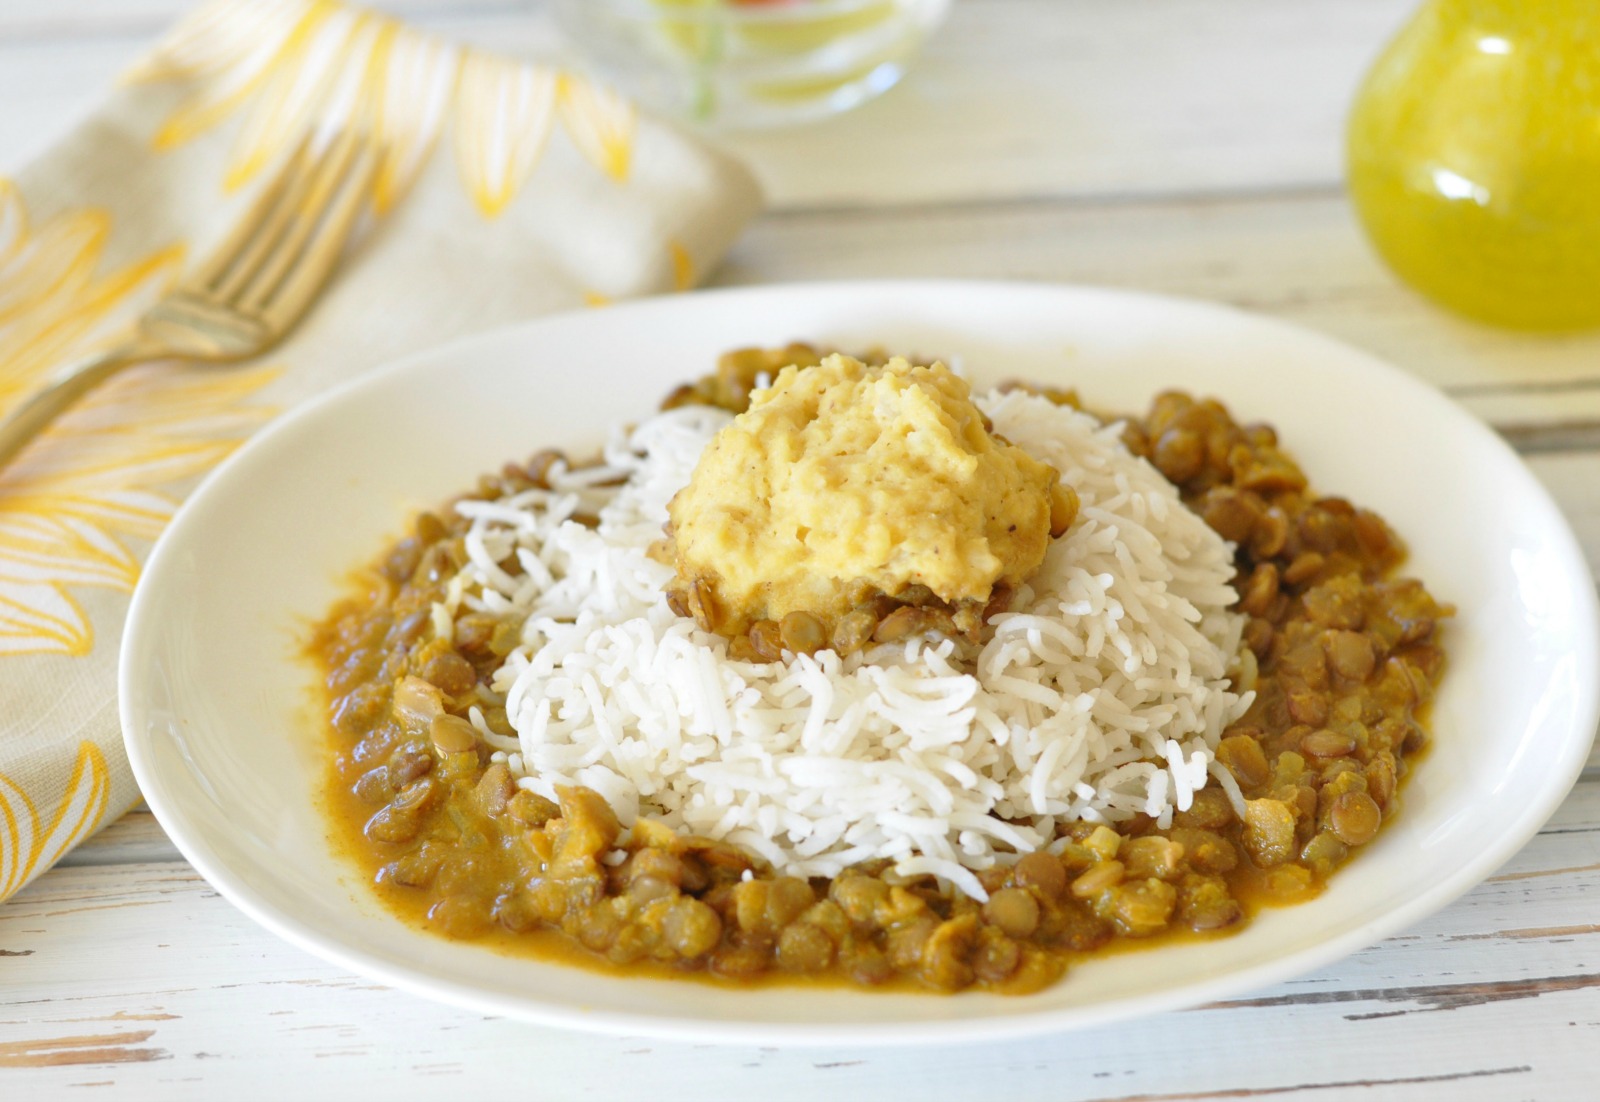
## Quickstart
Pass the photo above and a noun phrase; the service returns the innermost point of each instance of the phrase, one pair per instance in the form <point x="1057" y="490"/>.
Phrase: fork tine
<point x="264" y="245"/>
<point x="260" y="245"/>
<point x="302" y="218"/>
<point x="225" y="255"/>
<point x="300" y="283"/>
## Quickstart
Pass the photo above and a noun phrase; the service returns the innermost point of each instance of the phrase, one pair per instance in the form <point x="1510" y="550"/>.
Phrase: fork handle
<point x="63" y="391"/>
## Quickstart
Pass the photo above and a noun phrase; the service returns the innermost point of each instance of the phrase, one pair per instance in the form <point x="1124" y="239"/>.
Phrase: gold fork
<point x="247" y="295"/>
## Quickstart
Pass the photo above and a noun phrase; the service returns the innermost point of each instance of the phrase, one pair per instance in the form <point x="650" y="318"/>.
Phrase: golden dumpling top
<point x="842" y="479"/>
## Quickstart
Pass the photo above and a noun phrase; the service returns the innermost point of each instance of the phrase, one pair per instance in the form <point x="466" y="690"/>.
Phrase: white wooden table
<point x="1189" y="146"/>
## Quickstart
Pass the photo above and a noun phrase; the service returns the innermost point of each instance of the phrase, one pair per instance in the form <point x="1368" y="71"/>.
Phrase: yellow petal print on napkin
<point x="682" y="265"/>
<point x="504" y="112"/>
<point x="59" y="259"/>
<point x="413" y="77"/>
<point x="215" y="38"/>
<point x="600" y="122"/>
<point x="97" y="477"/>
<point x="24" y="847"/>
<point x="291" y="64"/>
<point x="282" y="42"/>
<point x="324" y="67"/>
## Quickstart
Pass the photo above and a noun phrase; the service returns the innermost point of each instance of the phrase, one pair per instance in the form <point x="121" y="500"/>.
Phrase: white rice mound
<point x="1102" y="693"/>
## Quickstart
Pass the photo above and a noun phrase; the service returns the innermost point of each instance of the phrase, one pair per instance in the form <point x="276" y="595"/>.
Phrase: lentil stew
<point x="1344" y="658"/>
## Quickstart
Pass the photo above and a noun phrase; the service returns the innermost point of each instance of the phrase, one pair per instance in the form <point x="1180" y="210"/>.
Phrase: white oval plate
<point x="226" y="748"/>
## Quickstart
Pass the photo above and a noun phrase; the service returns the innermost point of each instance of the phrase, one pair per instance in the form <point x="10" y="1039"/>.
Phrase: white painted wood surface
<point x="1187" y="146"/>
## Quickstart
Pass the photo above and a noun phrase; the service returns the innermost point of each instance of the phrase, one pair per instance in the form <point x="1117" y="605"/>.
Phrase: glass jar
<point x="1474" y="159"/>
<point x="751" y="63"/>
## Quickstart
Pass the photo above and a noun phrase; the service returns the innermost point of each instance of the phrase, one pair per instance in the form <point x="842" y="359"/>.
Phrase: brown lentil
<point x="452" y="734"/>
<point x="802" y="633"/>
<point x="1013" y="911"/>
<point x="1327" y="744"/>
<point x="767" y="639"/>
<point x="854" y="631"/>
<point x="1355" y="818"/>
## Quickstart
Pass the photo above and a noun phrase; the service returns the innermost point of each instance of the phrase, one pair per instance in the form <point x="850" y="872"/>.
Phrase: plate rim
<point x="1048" y="1020"/>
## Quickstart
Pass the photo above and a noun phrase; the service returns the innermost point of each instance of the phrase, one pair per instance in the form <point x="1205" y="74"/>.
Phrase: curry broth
<point x="1344" y="659"/>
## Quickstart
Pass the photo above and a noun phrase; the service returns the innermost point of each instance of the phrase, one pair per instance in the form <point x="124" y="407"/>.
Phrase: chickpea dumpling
<point x="853" y="502"/>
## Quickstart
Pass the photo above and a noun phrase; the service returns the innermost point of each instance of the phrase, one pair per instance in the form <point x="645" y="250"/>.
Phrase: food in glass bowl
<point x="752" y="63"/>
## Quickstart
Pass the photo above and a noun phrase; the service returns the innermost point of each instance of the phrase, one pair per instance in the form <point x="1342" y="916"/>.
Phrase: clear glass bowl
<point x="751" y="63"/>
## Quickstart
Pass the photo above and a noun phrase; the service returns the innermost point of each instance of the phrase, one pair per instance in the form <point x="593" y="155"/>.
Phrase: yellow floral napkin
<point x="509" y="189"/>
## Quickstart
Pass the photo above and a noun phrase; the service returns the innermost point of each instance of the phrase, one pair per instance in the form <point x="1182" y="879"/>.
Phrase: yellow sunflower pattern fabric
<point x="508" y="188"/>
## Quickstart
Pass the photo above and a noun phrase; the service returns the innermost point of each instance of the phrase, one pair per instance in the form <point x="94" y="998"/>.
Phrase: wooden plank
<point x="1294" y="256"/>
<point x="1163" y="97"/>
<point x="140" y="976"/>
<point x="136" y="838"/>
<point x="39" y="21"/>
<point x="1573" y="479"/>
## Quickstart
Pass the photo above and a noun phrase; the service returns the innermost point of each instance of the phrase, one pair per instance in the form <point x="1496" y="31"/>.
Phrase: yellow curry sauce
<point x="1344" y="660"/>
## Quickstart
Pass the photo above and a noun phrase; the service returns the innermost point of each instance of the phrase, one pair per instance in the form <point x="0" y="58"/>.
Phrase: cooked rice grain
<point x="1101" y="695"/>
